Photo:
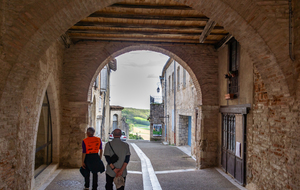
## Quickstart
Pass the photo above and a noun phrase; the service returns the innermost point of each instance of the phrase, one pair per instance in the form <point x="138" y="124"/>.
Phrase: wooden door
<point x="233" y="165"/>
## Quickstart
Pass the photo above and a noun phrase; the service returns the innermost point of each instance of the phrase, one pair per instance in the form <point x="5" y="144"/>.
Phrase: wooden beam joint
<point x="207" y="30"/>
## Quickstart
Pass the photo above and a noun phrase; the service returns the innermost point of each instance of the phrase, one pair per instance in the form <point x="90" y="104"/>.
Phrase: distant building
<point x="180" y="105"/>
<point x="99" y="109"/>
<point x="116" y="119"/>
<point x="156" y="120"/>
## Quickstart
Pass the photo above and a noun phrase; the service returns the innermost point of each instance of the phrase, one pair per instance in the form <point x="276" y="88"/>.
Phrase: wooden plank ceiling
<point x="160" y="21"/>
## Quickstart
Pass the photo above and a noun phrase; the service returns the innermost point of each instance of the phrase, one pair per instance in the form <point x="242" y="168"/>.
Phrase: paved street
<point x="153" y="166"/>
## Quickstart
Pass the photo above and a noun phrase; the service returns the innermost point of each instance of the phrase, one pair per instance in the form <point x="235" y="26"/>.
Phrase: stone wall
<point x="187" y="100"/>
<point x="118" y="113"/>
<point x="183" y="130"/>
<point x="29" y="28"/>
<point x="18" y="141"/>
<point x="156" y="112"/>
<point x="125" y="127"/>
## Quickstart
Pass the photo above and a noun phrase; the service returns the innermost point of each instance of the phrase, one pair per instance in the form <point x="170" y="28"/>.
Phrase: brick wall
<point x="273" y="148"/>
<point x="85" y="59"/>
<point x="30" y="28"/>
<point x="19" y="128"/>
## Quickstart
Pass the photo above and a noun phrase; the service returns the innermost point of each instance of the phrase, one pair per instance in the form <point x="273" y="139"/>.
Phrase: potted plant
<point x="231" y="74"/>
<point x="229" y="96"/>
<point x="227" y="76"/>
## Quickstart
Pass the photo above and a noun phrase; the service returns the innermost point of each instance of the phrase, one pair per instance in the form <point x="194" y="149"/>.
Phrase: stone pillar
<point x="74" y="125"/>
<point x="207" y="144"/>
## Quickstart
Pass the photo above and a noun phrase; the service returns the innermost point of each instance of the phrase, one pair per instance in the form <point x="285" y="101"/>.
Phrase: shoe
<point x="86" y="188"/>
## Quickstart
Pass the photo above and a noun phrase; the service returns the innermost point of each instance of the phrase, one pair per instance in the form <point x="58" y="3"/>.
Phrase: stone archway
<point x="85" y="60"/>
<point x="32" y="27"/>
<point x="29" y="43"/>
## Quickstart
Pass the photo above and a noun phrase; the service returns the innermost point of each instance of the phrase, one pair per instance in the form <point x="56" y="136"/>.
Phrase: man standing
<point x="91" y="161"/>
<point x="121" y="149"/>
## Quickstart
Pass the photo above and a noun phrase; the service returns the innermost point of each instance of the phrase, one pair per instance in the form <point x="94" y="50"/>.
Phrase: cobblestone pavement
<point x="168" y="163"/>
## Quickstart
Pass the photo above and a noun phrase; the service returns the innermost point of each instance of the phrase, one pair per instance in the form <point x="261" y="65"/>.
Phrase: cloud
<point x="152" y="76"/>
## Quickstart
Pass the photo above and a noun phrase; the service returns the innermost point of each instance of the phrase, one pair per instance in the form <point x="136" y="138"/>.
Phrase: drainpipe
<point x="174" y="83"/>
<point x="291" y="44"/>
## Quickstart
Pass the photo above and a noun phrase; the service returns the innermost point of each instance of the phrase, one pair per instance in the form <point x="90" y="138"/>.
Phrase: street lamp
<point x="158" y="89"/>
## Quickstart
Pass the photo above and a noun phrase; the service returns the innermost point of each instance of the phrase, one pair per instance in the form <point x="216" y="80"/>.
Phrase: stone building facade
<point x="157" y="127"/>
<point x="115" y="117"/>
<point x="180" y="105"/>
<point x="99" y="109"/>
<point x="35" y="60"/>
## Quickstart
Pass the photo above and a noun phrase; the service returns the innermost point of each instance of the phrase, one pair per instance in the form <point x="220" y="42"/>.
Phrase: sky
<point x="136" y="78"/>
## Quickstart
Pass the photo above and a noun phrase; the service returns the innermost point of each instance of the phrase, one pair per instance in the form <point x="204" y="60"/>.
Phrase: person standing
<point x="91" y="160"/>
<point x="119" y="168"/>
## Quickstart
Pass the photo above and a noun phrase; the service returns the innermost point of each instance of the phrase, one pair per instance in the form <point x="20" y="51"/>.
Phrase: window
<point x="43" y="150"/>
<point x="96" y="83"/>
<point x="229" y="132"/>
<point x="184" y="78"/>
<point x="115" y="121"/>
<point x="104" y="79"/>
<point x="172" y="81"/>
<point x="169" y="84"/>
<point x="99" y="103"/>
<point x="178" y="78"/>
<point x="233" y="82"/>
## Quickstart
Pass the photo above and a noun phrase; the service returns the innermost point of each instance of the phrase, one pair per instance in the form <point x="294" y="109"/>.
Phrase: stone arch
<point x="55" y="119"/>
<point x="84" y="61"/>
<point x="133" y="47"/>
<point x="35" y="39"/>
<point x="35" y="27"/>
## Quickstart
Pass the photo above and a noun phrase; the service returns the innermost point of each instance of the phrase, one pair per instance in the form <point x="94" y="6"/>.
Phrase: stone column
<point x="207" y="143"/>
<point x="74" y="125"/>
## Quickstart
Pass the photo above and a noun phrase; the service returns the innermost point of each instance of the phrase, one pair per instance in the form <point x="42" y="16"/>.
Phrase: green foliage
<point x="131" y="126"/>
<point x="136" y="117"/>
<point x="139" y="120"/>
<point x="132" y="136"/>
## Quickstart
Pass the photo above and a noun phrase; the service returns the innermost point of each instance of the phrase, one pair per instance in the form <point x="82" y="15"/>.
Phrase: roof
<point x="116" y="107"/>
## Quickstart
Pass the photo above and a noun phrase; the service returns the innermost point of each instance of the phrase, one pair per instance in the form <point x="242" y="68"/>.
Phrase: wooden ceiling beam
<point x="146" y="26"/>
<point x="75" y="41"/>
<point x="138" y="39"/>
<point x="207" y="30"/>
<point x="139" y="6"/>
<point x="148" y="17"/>
<point x="222" y="42"/>
<point x="139" y="32"/>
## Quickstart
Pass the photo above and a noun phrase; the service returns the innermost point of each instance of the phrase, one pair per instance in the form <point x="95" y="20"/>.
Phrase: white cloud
<point x="136" y="78"/>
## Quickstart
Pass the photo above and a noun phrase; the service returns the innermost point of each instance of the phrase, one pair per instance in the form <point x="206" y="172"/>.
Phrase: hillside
<point x="136" y="118"/>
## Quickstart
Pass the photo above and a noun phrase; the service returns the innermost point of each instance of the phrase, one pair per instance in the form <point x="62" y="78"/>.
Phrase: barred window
<point x="233" y="82"/>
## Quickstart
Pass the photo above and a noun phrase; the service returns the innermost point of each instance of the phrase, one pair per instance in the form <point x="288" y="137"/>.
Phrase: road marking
<point x="175" y="171"/>
<point x="134" y="172"/>
<point x="150" y="180"/>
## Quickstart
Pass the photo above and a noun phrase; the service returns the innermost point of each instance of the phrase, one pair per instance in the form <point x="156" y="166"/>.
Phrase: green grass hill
<point x="136" y="117"/>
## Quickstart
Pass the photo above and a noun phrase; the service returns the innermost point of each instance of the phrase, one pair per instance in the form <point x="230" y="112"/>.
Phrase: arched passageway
<point x="187" y="56"/>
<point x="30" y="59"/>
